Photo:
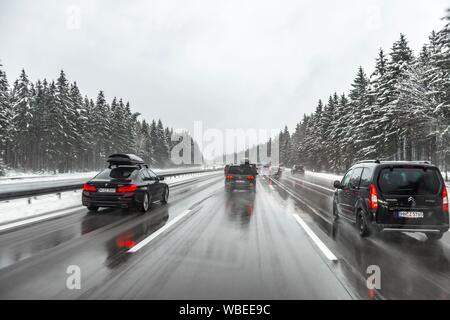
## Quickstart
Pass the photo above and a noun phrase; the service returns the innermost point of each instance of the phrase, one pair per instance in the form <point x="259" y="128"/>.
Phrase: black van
<point x="400" y="196"/>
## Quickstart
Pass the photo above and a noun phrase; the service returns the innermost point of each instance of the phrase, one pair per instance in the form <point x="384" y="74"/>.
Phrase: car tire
<point x="335" y="212"/>
<point x="435" y="236"/>
<point x="92" y="209"/>
<point x="145" y="205"/>
<point x="361" y="223"/>
<point x="165" y="196"/>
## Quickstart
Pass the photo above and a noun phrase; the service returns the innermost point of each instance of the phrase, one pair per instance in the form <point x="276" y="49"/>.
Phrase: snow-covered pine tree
<point x="22" y="118"/>
<point x="333" y="128"/>
<point x="358" y="117"/>
<point x="285" y="146"/>
<point x="159" y="144"/>
<point x="79" y="121"/>
<point x="295" y="144"/>
<point x="6" y="129"/>
<point x="325" y="130"/>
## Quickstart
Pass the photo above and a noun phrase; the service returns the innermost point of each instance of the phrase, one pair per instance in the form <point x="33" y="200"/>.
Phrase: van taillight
<point x="373" y="197"/>
<point x="89" y="188"/>
<point x="229" y="177"/>
<point x="445" y="200"/>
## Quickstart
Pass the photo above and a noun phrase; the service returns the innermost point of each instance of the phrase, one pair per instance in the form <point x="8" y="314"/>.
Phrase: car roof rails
<point x="368" y="161"/>
<point x="122" y="159"/>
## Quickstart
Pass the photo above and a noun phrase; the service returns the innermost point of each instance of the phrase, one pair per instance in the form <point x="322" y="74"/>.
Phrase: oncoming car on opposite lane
<point x="399" y="196"/>
<point x="126" y="183"/>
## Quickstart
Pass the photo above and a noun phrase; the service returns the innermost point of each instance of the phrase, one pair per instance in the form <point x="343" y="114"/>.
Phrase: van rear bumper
<point x="413" y="228"/>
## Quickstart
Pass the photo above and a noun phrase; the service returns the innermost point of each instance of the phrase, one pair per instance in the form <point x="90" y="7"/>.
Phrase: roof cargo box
<point x="124" y="159"/>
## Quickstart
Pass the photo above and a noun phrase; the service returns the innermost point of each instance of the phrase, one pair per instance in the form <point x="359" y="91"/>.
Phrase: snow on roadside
<point x="56" y="177"/>
<point x="324" y="175"/>
<point x="27" y="178"/>
<point x="19" y="209"/>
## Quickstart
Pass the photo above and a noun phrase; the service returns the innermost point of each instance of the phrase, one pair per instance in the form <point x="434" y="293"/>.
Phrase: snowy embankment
<point x="20" y="209"/>
<point x="21" y="177"/>
<point x="27" y="178"/>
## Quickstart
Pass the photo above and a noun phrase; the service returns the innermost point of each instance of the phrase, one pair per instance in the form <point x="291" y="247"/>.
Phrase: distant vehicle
<point x="245" y="161"/>
<point x="402" y="196"/>
<point x="298" y="169"/>
<point x="275" y="172"/>
<point x="126" y="183"/>
<point x="240" y="177"/>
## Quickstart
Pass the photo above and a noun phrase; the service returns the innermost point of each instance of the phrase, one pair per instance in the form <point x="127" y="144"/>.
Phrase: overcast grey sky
<point x="232" y="64"/>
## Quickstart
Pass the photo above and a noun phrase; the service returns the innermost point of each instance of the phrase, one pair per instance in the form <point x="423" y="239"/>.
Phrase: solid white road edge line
<point x="161" y="230"/>
<point x="317" y="213"/>
<point x="39" y="218"/>
<point x="327" y="252"/>
<point x="310" y="183"/>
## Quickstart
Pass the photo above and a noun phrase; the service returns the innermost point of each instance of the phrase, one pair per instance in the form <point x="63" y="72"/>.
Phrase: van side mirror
<point x="337" y="184"/>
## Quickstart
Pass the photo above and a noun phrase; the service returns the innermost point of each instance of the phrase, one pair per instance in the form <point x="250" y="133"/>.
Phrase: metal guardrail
<point x="74" y="186"/>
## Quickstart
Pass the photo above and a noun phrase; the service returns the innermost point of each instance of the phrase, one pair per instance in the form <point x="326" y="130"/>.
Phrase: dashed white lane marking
<point x="316" y="212"/>
<point x="39" y="218"/>
<point x="327" y="252"/>
<point x="160" y="231"/>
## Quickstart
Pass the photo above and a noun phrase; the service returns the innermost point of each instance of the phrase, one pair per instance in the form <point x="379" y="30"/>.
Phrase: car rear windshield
<point x="409" y="181"/>
<point x="244" y="170"/>
<point x="116" y="173"/>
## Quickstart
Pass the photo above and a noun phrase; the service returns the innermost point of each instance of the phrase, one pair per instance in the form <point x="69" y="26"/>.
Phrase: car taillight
<point x="250" y="178"/>
<point x="89" y="188"/>
<point x="445" y="200"/>
<point x="229" y="177"/>
<point x="373" y="197"/>
<point x="128" y="188"/>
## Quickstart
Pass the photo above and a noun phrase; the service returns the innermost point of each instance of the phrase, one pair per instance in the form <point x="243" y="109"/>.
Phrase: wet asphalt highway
<point x="208" y="244"/>
<point x="411" y="267"/>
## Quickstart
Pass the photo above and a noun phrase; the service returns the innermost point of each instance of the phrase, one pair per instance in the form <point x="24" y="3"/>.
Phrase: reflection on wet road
<point x="239" y="206"/>
<point x="238" y="245"/>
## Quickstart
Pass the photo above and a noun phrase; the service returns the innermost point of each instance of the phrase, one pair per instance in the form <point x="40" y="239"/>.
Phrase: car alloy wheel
<point x="166" y="195"/>
<point x="145" y="204"/>
<point x="362" y="225"/>
<point x="335" y="212"/>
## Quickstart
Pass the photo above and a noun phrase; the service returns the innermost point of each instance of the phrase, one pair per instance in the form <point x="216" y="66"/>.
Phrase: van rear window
<point x="409" y="181"/>
<point x="244" y="170"/>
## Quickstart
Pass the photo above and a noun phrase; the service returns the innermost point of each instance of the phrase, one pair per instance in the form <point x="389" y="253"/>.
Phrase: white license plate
<point x="109" y="190"/>
<point x="240" y="181"/>
<point x="410" y="214"/>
